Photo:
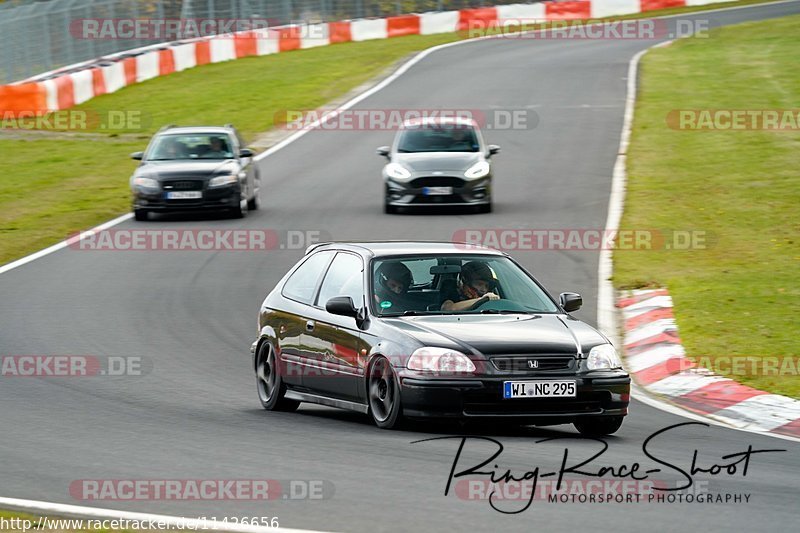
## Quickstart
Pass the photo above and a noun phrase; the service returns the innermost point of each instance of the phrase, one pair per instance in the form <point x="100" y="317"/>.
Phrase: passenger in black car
<point x="391" y="290"/>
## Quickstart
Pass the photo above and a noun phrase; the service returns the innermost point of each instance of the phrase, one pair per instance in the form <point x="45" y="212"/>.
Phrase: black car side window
<point x="302" y="284"/>
<point x="345" y="277"/>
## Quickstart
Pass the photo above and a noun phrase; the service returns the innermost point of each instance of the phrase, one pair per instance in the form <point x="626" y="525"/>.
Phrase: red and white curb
<point x="656" y="359"/>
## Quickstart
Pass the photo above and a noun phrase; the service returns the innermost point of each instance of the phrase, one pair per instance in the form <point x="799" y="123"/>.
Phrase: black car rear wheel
<point x="271" y="389"/>
<point x="383" y="391"/>
<point x="598" y="425"/>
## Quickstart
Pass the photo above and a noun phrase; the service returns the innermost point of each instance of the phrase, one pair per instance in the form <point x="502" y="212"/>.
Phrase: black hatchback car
<point x="416" y="330"/>
<point x="195" y="168"/>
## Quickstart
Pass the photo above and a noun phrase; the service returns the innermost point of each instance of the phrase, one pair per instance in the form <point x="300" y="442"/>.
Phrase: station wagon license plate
<point x="539" y="389"/>
<point x="184" y="195"/>
<point x="432" y="191"/>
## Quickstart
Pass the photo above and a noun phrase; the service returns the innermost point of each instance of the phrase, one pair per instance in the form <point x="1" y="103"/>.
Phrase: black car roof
<point x="196" y="129"/>
<point x="392" y="248"/>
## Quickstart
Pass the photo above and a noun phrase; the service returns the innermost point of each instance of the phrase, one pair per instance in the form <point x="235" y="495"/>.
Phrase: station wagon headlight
<point x="219" y="181"/>
<point x="431" y="359"/>
<point x="145" y="183"/>
<point x="397" y="171"/>
<point x="603" y="356"/>
<point x="478" y="170"/>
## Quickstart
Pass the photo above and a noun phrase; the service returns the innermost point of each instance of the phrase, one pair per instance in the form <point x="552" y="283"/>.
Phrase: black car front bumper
<point x="218" y="198"/>
<point x="482" y="397"/>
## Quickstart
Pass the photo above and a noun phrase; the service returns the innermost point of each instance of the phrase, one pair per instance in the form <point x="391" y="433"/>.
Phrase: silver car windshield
<point x="438" y="138"/>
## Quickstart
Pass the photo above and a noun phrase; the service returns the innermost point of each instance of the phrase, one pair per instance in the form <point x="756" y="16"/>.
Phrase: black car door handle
<point x="310" y="325"/>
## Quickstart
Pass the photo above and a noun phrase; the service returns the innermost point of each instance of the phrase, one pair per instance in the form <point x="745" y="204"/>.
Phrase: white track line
<point x="61" y="510"/>
<point x="63" y="244"/>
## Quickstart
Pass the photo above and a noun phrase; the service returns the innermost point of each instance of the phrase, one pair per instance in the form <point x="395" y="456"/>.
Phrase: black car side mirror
<point x="384" y="151"/>
<point x="570" y="301"/>
<point x="493" y="149"/>
<point x="246" y="152"/>
<point x="341" y="305"/>
<point x="137" y="156"/>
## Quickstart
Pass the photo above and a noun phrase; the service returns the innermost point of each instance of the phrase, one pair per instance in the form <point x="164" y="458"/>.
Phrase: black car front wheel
<point x="241" y="210"/>
<point x="140" y="215"/>
<point x="383" y="391"/>
<point x="598" y="425"/>
<point x="271" y="389"/>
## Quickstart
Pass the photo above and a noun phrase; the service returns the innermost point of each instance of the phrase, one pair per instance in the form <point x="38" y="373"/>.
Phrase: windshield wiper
<point x="506" y="312"/>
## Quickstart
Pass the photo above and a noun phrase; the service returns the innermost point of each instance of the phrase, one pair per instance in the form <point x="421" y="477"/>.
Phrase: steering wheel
<point x="499" y="304"/>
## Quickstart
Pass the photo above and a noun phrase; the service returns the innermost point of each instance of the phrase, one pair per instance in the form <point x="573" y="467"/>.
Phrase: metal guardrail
<point x="40" y="35"/>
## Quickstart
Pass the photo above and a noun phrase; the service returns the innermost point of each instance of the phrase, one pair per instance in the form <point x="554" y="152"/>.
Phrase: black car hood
<point x="503" y="334"/>
<point x="445" y="161"/>
<point x="187" y="168"/>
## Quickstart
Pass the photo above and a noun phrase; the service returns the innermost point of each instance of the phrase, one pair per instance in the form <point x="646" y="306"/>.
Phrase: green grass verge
<point x="739" y="295"/>
<point x="52" y="187"/>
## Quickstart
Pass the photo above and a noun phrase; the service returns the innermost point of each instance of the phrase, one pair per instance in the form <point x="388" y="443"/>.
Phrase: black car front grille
<point x="530" y="364"/>
<point x="437" y="181"/>
<point x="183" y="185"/>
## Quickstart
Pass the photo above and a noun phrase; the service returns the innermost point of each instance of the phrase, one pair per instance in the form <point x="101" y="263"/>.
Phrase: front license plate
<point x="184" y="195"/>
<point x="539" y="389"/>
<point x="432" y="191"/>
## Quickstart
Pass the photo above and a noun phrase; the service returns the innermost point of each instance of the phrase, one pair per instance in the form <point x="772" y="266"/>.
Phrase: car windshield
<point x="191" y="146"/>
<point x="438" y="138"/>
<point x="454" y="284"/>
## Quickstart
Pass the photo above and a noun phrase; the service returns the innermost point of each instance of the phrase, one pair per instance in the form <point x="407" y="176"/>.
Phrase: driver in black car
<point x="476" y="284"/>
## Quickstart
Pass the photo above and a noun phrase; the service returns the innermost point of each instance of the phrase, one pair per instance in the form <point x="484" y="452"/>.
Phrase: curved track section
<point x="192" y="314"/>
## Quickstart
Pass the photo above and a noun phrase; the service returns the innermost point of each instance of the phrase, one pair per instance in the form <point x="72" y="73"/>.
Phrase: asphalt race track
<point x="192" y="314"/>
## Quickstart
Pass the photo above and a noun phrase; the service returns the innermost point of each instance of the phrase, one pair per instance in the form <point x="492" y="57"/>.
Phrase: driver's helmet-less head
<point x="476" y="279"/>
<point x="394" y="277"/>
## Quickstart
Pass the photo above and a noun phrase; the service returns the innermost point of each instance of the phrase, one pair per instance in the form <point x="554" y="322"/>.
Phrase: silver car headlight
<point x="432" y="359"/>
<point x="478" y="170"/>
<point x="603" y="356"/>
<point x="145" y="183"/>
<point x="397" y="171"/>
<point x="219" y="181"/>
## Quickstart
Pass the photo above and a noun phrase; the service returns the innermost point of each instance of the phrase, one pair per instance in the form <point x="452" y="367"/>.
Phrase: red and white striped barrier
<point x="69" y="89"/>
<point x="658" y="363"/>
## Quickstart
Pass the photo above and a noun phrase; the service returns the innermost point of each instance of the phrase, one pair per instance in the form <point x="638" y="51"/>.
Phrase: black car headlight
<point x="603" y="356"/>
<point x="221" y="181"/>
<point x="432" y="359"/>
<point x="145" y="183"/>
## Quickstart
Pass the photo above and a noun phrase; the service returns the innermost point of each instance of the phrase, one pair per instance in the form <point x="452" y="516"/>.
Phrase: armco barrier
<point x="78" y="83"/>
